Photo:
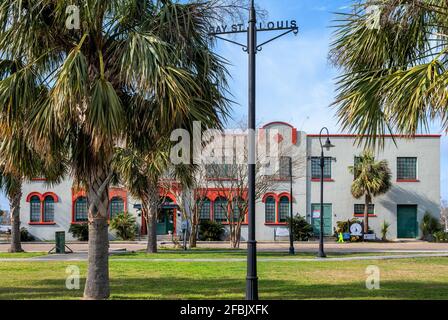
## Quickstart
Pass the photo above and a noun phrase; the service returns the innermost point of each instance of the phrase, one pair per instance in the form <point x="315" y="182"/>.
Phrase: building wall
<point x="425" y="193"/>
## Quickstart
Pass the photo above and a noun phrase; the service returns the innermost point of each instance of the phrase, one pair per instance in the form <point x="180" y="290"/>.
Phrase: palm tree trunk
<point x="14" y="202"/>
<point x="194" y="229"/>
<point x="97" y="283"/>
<point x="366" y="213"/>
<point x="153" y="209"/>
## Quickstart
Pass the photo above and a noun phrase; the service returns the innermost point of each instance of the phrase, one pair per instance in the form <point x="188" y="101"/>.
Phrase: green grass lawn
<point x="231" y="254"/>
<point x="20" y="255"/>
<point x="421" y="278"/>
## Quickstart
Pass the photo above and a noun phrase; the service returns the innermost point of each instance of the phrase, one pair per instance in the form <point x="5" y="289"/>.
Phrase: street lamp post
<point x="291" y="236"/>
<point x="252" y="47"/>
<point x="327" y="146"/>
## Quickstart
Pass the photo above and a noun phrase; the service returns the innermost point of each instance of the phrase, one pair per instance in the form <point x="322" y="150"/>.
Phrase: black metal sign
<point x="241" y="27"/>
<point x="288" y="26"/>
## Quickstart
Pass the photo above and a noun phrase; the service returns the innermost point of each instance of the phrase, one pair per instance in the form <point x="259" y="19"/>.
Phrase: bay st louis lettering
<point x="241" y="27"/>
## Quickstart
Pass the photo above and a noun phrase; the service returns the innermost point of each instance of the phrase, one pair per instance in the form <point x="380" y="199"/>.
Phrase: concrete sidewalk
<point x="399" y="247"/>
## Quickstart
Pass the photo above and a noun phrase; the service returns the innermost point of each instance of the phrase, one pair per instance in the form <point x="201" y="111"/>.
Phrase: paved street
<point x="399" y="247"/>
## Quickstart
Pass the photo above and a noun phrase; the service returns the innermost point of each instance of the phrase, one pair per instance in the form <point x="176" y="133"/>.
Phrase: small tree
<point x="125" y="226"/>
<point x="371" y="180"/>
<point x="231" y="181"/>
<point x="190" y="196"/>
<point x="444" y="214"/>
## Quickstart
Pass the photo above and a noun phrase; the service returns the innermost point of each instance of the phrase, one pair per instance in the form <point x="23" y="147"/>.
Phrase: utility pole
<point x="252" y="47"/>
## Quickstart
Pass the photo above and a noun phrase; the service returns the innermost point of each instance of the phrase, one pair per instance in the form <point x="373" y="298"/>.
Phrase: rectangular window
<point x="49" y="210"/>
<point x="283" y="209"/>
<point x="270" y="210"/>
<point x="359" y="209"/>
<point x="35" y="210"/>
<point x="315" y="167"/>
<point x="407" y="168"/>
<point x="81" y="213"/>
<point x="284" y="167"/>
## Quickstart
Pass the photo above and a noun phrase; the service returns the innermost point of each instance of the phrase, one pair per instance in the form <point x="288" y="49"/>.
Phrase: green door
<point x="407" y="226"/>
<point x="165" y="221"/>
<point x="328" y="219"/>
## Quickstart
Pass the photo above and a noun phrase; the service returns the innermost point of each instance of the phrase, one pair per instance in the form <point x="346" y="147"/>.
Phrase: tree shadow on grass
<point x="190" y="289"/>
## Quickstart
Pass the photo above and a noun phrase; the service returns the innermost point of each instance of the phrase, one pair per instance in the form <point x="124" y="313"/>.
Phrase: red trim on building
<point x="277" y="123"/>
<point x="325" y="180"/>
<point x="41" y="200"/>
<point x="294" y="132"/>
<point x="119" y="193"/>
<point x="269" y="194"/>
<point x="32" y="194"/>
<point x="277" y="198"/>
<point x="38" y="179"/>
<point x="284" y="194"/>
<point x="42" y="196"/>
<point x="114" y="192"/>
<point x="50" y="194"/>
<point x="41" y="223"/>
<point x="294" y="136"/>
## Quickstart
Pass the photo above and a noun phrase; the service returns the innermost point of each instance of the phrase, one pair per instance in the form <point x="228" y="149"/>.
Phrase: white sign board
<point x="316" y="214"/>
<point x="369" y="237"/>
<point x="356" y="230"/>
<point x="282" y="232"/>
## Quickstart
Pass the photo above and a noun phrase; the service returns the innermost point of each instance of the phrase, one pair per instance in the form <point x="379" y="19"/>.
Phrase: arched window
<point x="283" y="209"/>
<point x="220" y="210"/>
<point x="204" y="210"/>
<point x="81" y="214"/>
<point x="35" y="209"/>
<point x="269" y="210"/>
<point x="48" y="209"/>
<point x="116" y="207"/>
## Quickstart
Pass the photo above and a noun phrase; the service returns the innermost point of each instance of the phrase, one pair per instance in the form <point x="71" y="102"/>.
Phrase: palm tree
<point x="372" y="178"/>
<point x="394" y="66"/>
<point x="145" y="62"/>
<point x="19" y="161"/>
<point x="140" y="174"/>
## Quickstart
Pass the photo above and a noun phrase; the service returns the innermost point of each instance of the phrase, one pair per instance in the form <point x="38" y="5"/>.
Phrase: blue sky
<point x="295" y="80"/>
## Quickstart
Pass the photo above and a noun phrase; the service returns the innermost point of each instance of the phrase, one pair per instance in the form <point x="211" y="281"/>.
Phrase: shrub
<point x="441" y="236"/>
<point x="384" y="230"/>
<point x="125" y="226"/>
<point x="80" y="231"/>
<point x="210" y="231"/>
<point x="344" y="226"/>
<point x="25" y="236"/>
<point x="429" y="226"/>
<point x="301" y="229"/>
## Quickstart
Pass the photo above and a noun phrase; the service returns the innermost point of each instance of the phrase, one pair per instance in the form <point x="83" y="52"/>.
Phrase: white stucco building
<point x="415" y="166"/>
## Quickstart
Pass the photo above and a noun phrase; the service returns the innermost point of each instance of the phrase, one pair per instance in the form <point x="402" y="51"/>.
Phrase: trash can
<point x="60" y="241"/>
